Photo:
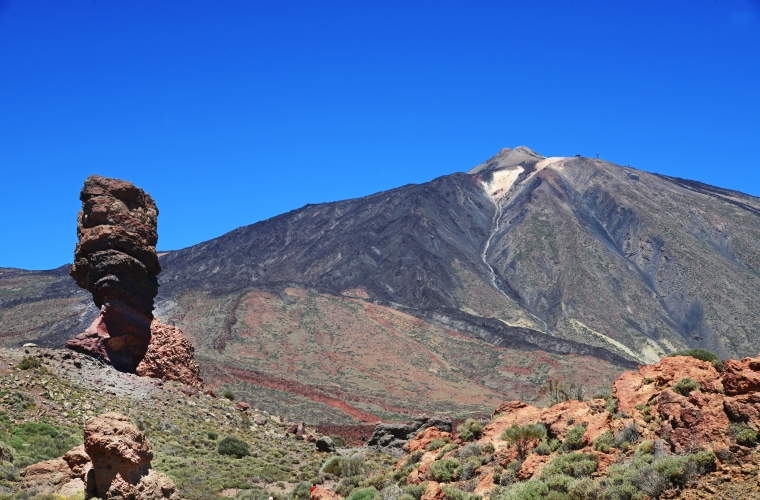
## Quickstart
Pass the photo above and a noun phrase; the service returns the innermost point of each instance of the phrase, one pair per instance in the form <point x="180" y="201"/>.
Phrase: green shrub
<point x="445" y="471"/>
<point x="543" y="448"/>
<point x="743" y="434"/>
<point x="451" y="493"/>
<point x="523" y="436"/>
<point x="233" y="446"/>
<point x="470" y="450"/>
<point x="583" y="489"/>
<point x="30" y="362"/>
<point x="414" y="457"/>
<point x="574" y="438"/>
<point x="338" y="441"/>
<point x="700" y="354"/>
<point x="604" y="442"/>
<point x="354" y="466"/>
<point x="212" y="435"/>
<point x="229" y="395"/>
<point x="348" y="484"/>
<point x="445" y="449"/>
<point x="645" y="448"/>
<point x="530" y="490"/>
<point x="301" y="491"/>
<point x="407" y="496"/>
<point x="627" y="436"/>
<point x="6" y="453"/>
<point x="416" y="490"/>
<point x="35" y="442"/>
<point x="612" y="405"/>
<point x="362" y="494"/>
<point x="437" y="443"/>
<point x="470" y="430"/>
<point x="332" y="465"/>
<point x="685" y="386"/>
<point x="577" y="465"/>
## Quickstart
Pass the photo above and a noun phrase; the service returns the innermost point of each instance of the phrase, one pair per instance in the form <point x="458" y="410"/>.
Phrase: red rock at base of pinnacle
<point x="170" y="355"/>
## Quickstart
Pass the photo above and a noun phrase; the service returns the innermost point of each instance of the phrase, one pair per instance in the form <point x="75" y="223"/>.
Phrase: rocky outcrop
<point x="112" y="464"/>
<point x="121" y="457"/>
<point x="741" y="377"/>
<point x="170" y="355"/>
<point x="396" y="436"/>
<point x="115" y="259"/>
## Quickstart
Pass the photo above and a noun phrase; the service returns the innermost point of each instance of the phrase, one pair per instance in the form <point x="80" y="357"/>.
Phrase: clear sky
<point x="230" y="112"/>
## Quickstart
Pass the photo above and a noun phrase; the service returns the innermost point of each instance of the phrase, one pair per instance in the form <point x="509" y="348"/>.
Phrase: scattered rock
<point x="325" y="443"/>
<point x="190" y="391"/>
<point x="211" y="393"/>
<point x="170" y="355"/>
<point x="433" y="492"/>
<point x="424" y="438"/>
<point x="242" y="406"/>
<point x="115" y="259"/>
<point x="741" y="377"/>
<point x="318" y="493"/>
<point x="396" y="436"/>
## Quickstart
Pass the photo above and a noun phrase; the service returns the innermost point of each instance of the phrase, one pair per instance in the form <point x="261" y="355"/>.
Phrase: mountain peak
<point x="507" y="158"/>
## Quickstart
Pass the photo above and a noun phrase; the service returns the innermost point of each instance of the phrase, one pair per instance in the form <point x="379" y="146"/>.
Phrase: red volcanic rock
<point x="632" y="389"/>
<point x="115" y="259"/>
<point x="561" y="417"/>
<point x="424" y="438"/>
<point x="741" y="377"/>
<point x="242" y="406"/>
<point x="532" y="466"/>
<point x="211" y="393"/>
<point x="433" y="492"/>
<point x="170" y="355"/>
<point x="318" y="493"/>
<point x="698" y="419"/>
<point x="744" y="408"/>
<point x="116" y="447"/>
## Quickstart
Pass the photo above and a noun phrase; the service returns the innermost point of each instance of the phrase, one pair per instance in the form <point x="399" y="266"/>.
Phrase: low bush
<point x="574" y="438"/>
<point x="445" y="449"/>
<point x="530" y="490"/>
<point x="523" y="436"/>
<point x="229" y="395"/>
<point x="543" y="448"/>
<point x="338" y="441"/>
<point x="363" y="494"/>
<point x="577" y="465"/>
<point x="234" y="447"/>
<point x="451" y="493"/>
<point x="604" y="442"/>
<point x="301" y="491"/>
<point x="445" y="471"/>
<point x="685" y="386"/>
<point x="35" y="442"/>
<point x="354" y="466"/>
<point x="416" y="490"/>
<point x="627" y="436"/>
<point x="212" y="435"/>
<point x="743" y="434"/>
<point x="6" y="453"/>
<point x="470" y="450"/>
<point x="470" y="430"/>
<point x="348" y="484"/>
<point x="436" y="444"/>
<point x="30" y="362"/>
<point x="332" y="465"/>
<point x="414" y="457"/>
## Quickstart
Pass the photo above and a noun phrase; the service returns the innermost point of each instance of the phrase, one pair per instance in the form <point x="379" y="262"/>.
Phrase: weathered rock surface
<point x="170" y="355"/>
<point x="741" y="377"/>
<point x="121" y="457"/>
<point x="424" y="438"/>
<point x="390" y="436"/>
<point x="115" y="259"/>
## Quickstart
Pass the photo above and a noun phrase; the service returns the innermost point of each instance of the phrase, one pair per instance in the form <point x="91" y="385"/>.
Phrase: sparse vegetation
<point x="702" y="355"/>
<point x="233" y="446"/>
<point x="524" y="436"/>
<point x="470" y="430"/>
<point x="685" y="386"/>
<point x="445" y="471"/>
<point x="557" y="392"/>
<point x="30" y="362"/>
<point x="574" y="438"/>
<point x="229" y="395"/>
<point x="743" y="434"/>
<point x="437" y="443"/>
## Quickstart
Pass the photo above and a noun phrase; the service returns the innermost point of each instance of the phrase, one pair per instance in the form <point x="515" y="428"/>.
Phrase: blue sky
<point x="230" y="112"/>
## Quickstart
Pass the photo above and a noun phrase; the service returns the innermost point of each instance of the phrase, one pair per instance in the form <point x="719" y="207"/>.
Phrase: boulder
<point x="325" y="444"/>
<point x="115" y="259"/>
<point x="170" y="355"/>
<point x="396" y="436"/>
<point x="424" y="438"/>
<point x="318" y="493"/>
<point x="242" y="406"/>
<point x="433" y="492"/>
<point x="117" y="448"/>
<point x="741" y="377"/>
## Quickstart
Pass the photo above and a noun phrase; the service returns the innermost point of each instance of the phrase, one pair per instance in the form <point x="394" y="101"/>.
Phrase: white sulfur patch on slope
<point x="501" y="181"/>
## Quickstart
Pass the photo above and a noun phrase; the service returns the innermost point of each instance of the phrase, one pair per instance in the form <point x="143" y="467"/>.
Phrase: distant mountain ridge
<point x="566" y="256"/>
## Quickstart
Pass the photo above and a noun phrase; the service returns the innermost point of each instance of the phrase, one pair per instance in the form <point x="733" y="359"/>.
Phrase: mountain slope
<point x="455" y="293"/>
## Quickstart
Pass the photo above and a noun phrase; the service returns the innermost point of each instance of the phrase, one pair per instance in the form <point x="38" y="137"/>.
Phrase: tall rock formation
<point x="116" y="261"/>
